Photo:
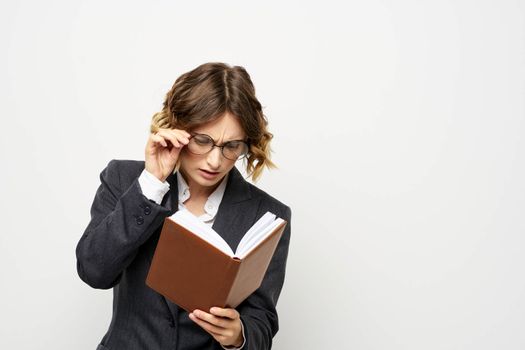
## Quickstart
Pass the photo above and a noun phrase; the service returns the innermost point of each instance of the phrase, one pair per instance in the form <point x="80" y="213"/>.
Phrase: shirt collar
<point x="214" y="200"/>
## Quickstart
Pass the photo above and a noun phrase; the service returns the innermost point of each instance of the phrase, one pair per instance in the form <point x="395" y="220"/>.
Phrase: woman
<point x="210" y="119"/>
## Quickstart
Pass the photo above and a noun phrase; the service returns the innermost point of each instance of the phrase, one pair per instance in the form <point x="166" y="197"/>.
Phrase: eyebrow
<point x="237" y="139"/>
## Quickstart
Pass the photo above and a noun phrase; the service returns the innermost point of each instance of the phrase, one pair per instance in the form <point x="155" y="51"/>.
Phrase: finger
<point x="227" y="312"/>
<point x="214" y="320"/>
<point x="183" y="132"/>
<point x="217" y="336"/>
<point x="208" y="327"/>
<point x="170" y="137"/>
<point x="159" y="139"/>
<point x="182" y="136"/>
<point x="178" y="136"/>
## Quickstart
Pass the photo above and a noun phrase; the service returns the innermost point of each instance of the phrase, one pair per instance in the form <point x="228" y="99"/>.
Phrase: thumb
<point x="174" y="152"/>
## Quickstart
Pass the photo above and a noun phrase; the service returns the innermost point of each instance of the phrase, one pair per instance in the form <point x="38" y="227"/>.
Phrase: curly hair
<point x="206" y="93"/>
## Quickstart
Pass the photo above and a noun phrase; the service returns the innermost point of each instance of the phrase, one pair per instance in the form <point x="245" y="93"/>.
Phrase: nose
<point x="214" y="158"/>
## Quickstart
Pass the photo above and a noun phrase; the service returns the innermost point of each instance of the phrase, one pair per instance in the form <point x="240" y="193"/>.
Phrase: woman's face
<point x="206" y="171"/>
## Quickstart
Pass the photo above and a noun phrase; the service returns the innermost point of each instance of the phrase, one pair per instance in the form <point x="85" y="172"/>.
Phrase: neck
<point x="198" y="191"/>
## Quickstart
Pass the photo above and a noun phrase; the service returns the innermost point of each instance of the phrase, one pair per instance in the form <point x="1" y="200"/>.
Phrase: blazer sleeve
<point x="122" y="219"/>
<point x="258" y="312"/>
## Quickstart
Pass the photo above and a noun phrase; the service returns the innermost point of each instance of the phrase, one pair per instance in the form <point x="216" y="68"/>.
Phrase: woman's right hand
<point x="162" y="151"/>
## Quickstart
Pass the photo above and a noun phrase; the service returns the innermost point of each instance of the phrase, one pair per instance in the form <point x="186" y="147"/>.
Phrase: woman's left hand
<point x="224" y="325"/>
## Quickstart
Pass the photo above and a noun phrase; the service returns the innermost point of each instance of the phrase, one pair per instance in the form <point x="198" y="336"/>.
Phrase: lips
<point x="208" y="174"/>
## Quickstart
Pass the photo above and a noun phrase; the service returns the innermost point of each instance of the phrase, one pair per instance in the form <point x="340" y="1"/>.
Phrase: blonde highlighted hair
<point x="206" y="93"/>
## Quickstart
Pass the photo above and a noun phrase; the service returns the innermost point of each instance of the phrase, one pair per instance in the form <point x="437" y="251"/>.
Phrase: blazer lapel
<point x="237" y="211"/>
<point x="171" y="199"/>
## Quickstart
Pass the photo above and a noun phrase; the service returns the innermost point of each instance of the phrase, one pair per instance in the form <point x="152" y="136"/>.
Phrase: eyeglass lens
<point x="233" y="150"/>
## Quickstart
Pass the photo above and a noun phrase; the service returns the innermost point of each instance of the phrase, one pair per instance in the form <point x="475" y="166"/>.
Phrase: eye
<point x="202" y="140"/>
<point x="233" y="145"/>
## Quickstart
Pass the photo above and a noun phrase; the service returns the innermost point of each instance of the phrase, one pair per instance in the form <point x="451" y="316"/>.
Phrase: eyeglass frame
<point x="192" y="134"/>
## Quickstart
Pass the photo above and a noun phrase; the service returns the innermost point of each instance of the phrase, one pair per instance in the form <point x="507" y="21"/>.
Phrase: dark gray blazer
<point x="117" y="246"/>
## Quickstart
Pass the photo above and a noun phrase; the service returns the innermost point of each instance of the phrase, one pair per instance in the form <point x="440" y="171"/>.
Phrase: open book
<point x="196" y="269"/>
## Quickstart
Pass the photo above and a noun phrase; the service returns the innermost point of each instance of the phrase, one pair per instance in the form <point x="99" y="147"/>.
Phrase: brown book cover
<point x="194" y="274"/>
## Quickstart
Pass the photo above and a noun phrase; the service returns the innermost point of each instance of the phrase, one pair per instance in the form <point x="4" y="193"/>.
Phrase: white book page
<point x="192" y="223"/>
<point x="254" y="232"/>
<point x="257" y="233"/>
<point x="257" y="239"/>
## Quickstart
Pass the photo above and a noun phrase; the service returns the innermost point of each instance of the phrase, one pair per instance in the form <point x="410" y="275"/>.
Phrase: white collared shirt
<point x="155" y="190"/>
<point x="152" y="188"/>
<point x="212" y="204"/>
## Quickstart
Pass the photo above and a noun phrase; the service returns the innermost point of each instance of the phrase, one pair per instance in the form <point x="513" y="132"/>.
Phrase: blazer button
<point x="140" y="220"/>
<point x="147" y="210"/>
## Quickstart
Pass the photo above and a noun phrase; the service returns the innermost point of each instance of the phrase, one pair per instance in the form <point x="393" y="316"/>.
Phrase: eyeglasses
<point x="233" y="150"/>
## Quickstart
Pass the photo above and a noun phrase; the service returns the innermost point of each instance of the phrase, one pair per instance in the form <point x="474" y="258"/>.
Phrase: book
<point x="195" y="268"/>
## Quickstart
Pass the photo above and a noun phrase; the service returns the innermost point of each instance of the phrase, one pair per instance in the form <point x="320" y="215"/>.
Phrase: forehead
<point x="226" y="127"/>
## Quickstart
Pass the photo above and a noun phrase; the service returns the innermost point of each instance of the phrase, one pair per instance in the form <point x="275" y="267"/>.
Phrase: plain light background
<point x="399" y="134"/>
